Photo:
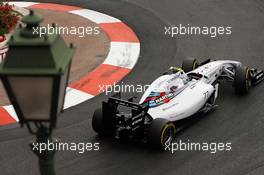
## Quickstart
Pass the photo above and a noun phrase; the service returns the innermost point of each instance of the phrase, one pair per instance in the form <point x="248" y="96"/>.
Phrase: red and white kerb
<point x="122" y="57"/>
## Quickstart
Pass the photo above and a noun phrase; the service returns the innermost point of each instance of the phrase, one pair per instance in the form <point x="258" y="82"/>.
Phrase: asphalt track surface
<point x="239" y="120"/>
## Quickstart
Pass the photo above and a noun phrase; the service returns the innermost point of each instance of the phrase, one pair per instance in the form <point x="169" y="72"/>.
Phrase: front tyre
<point x="189" y="64"/>
<point x="161" y="133"/>
<point x="242" y="80"/>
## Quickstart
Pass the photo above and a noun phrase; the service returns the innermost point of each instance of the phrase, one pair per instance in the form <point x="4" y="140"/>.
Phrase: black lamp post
<point x="35" y="74"/>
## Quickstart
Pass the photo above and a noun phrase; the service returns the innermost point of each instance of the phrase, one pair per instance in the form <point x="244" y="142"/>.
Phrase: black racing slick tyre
<point x="242" y="80"/>
<point x="161" y="133"/>
<point x="189" y="64"/>
<point x="98" y="123"/>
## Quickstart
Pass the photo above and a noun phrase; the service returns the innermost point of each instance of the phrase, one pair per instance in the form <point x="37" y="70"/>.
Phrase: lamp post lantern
<point x="35" y="75"/>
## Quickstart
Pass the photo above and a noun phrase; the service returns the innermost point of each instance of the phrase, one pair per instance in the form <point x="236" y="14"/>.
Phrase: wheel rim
<point x="248" y="81"/>
<point x="194" y="65"/>
<point x="168" y="133"/>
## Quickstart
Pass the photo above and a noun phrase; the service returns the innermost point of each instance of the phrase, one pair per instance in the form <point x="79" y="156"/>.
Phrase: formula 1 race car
<point x="176" y="95"/>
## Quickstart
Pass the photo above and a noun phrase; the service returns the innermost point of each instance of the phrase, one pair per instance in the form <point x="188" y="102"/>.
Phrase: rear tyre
<point x="189" y="64"/>
<point x="161" y="133"/>
<point x="242" y="80"/>
<point x="98" y="123"/>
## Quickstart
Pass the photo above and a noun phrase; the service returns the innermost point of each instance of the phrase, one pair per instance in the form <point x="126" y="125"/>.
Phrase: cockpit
<point x="177" y="81"/>
<point x="191" y="75"/>
<point x="180" y="79"/>
<point x="168" y="86"/>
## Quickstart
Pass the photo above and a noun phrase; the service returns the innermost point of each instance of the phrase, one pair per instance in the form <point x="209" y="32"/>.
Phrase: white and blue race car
<point x="178" y="94"/>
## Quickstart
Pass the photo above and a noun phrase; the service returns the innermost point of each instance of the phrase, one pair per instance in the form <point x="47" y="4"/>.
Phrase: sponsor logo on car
<point x="159" y="98"/>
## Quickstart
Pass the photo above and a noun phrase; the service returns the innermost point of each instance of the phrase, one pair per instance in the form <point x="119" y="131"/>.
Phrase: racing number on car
<point x="206" y="94"/>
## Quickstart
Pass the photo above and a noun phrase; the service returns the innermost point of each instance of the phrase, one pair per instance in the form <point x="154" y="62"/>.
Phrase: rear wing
<point x="116" y="100"/>
<point x="134" y="121"/>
